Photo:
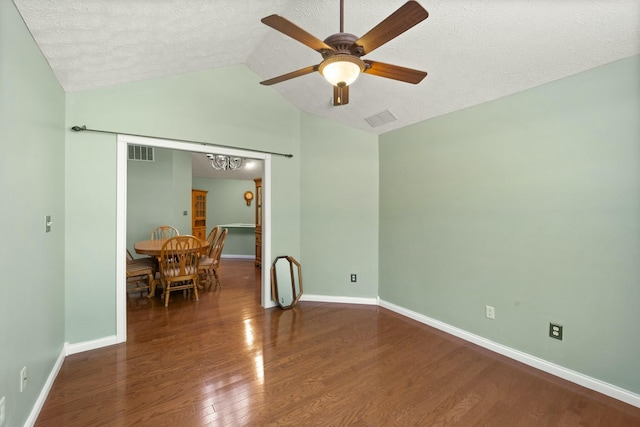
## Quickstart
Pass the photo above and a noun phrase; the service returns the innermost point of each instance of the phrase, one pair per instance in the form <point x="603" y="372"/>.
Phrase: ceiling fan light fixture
<point x="341" y="70"/>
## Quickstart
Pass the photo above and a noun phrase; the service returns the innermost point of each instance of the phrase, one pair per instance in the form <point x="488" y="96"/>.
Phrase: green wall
<point x="529" y="203"/>
<point x="158" y="193"/>
<point x="31" y="187"/>
<point x="339" y="209"/>
<point x="226" y="205"/>
<point x="203" y="106"/>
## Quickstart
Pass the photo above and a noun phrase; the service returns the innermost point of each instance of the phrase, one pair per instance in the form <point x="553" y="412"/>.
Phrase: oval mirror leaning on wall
<point x="286" y="281"/>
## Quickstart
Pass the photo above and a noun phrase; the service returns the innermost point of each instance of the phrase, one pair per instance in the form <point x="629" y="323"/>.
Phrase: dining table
<point x="154" y="248"/>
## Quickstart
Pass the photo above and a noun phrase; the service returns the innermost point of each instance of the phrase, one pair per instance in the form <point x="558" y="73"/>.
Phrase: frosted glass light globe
<point x="341" y="70"/>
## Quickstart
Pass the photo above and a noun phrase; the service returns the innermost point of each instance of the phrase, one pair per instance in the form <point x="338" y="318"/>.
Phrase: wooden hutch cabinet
<point x="199" y="214"/>
<point x="258" y="182"/>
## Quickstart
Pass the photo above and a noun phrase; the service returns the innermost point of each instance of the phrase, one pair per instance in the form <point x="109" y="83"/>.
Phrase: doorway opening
<point x="123" y="142"/>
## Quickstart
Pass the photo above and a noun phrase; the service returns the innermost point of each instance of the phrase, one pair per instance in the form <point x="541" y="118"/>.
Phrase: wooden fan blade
<point x="394" y="72"/>
<point x="287" y="27"/>
<point x="408" y="15"/>
<point x="340" y="95"/>
<point x="290" y="75"/>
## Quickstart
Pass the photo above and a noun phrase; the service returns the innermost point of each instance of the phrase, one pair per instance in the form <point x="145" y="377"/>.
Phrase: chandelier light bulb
<point x="222" y="162"/>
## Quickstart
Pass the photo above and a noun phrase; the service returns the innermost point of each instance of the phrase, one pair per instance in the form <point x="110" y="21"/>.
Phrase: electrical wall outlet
<point x="23" y="379"/>
<point x="490" y="312"/>
<point x="555" y="331"/>
<point x="354" y="278"/>
<point x="2" y="414"/>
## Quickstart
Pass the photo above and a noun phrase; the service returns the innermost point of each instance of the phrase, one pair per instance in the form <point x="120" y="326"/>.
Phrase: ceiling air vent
<point x="141" y="153"/>
<point x="381" y="119"/>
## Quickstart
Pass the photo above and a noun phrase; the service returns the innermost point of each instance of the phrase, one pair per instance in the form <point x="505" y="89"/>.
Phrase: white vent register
<point x="141" y="153"/>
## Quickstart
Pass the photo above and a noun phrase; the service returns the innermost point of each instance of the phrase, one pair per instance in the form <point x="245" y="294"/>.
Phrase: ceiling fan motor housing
<point x="342" y="43"/>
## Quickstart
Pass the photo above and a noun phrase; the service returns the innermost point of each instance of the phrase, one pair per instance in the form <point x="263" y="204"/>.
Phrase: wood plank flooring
<point x="225" y="361"/>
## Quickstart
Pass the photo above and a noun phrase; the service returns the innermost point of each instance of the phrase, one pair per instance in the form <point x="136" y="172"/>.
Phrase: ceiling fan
<point x="341" y="52"/>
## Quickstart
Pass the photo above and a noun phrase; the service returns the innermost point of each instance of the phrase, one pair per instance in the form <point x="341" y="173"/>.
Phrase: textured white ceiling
<point x="473" y="50"/>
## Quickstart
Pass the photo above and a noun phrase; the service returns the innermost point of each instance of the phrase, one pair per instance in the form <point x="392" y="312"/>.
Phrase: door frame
<point x="121" y="214"/>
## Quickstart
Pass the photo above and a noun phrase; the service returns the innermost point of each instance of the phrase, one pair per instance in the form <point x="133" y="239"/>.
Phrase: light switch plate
<point x="47" y="223"/>
<point x="23" y="379"/>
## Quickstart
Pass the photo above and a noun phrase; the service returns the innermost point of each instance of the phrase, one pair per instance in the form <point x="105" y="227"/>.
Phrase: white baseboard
<point x="342" y="300"/>
<point x="232" y="256"/>
<point x="91" y="345"/>
<point x="551" y="368"/>
<point x="46" y="388"/>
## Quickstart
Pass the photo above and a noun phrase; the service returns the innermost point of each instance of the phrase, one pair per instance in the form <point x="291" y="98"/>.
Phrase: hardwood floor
<point x="224" y="361"/>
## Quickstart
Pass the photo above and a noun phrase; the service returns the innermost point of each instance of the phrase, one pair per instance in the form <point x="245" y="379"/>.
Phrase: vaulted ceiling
<point x="473" y="50"/>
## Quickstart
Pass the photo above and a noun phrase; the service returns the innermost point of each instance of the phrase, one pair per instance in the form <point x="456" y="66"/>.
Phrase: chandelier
<point x="221" y="162"/>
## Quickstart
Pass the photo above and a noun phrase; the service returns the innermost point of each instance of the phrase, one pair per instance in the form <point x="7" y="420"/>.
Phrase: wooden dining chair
<point x="206" y="261"/>
<point x="179" y="260"/>
<point x="140" y="270"/>
<point x="152" y="261"/>
<point x="164" y="232"/>
<point x="140" y="276"/>
<point x="211" y="238"/>
<point x="210" y="265"/>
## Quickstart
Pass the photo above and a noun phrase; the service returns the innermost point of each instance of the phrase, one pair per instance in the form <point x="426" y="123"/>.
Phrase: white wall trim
<point x="91" y="345"/>
<point x="551" y="368"/>
<point x="265" y="299"/>
<point x="121" y="240"/>
<point x="232" y="256"/>
<point x="337" y="299"/>
<point x="46" y="388"/>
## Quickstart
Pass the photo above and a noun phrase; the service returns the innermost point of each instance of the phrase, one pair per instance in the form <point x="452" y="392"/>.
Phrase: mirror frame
<point x="275" y="285"/>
